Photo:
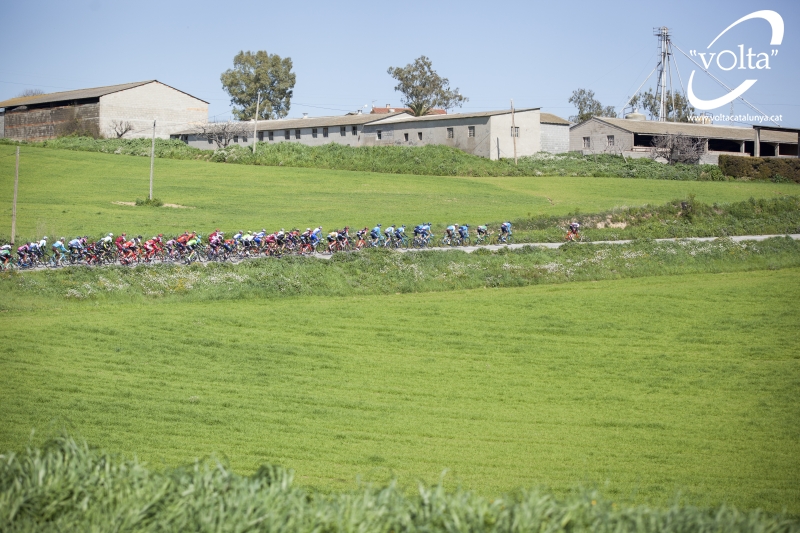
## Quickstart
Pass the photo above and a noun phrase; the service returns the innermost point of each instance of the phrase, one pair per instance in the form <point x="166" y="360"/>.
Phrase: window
<point x="471" y="131"/>
<point x="515" y="131"/>
<point x="260" y="136"/>
<point x="419" y="135"/>
<point x="314" y="133"/>
<point x="210" y="141"/>
<point x="244" y="138"/>
<point x="296" y="134"/>
<point x="287" y="134"/>
<point x="587" y="142"/>
<point x="271" y="135"/>
<point x="609" y="140"/>
<point x="449" y="133"/>
<point x="342" y="130"/>
<point x="354" y="130"/>
<point x="406" y="136"/>
<point x="236" y="138"/>
<point x="325" y="132"/>
<point x="379" y="134"/>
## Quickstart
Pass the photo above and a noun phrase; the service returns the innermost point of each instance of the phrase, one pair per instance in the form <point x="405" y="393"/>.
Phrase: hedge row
<point x="760" y="168"/>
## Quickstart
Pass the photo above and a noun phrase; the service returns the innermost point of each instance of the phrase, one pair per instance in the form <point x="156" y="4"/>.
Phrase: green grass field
<point x="644" y="387"/>
<point x="648" y="370"/>
<point x="65" y="193"/>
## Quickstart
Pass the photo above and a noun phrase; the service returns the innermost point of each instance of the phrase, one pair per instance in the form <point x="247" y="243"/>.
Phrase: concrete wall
<point x="598" y="133"/>
<point x="501" y="143"/>
<point x="407" y="133"/>
<point x="555" y="138"/>
<point x="49" y="122"/>
<point x="173" y="110"/>
<point x="306" y="137"/>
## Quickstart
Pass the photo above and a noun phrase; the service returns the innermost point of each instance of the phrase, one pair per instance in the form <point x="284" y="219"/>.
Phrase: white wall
<point x="173" y="110"/>
<point x="555" y="138"/>
<point x="529" y="141"/>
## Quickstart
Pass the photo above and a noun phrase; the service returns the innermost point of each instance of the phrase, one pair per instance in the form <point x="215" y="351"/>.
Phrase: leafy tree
<point x="423" y="89"/>
<point x="588" y="106"/>
<point x="677" y="105"/>
<point x="263" y="73"/>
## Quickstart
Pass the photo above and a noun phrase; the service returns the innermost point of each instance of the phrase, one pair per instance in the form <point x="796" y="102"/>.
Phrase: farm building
<point x="102" y="111"/>
<point x="487" y="134"/>
<point x="633" y="136"/>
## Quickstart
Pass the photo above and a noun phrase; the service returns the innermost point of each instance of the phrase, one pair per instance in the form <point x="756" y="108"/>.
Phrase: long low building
<point x="634" y="136"/>
<point x="102" y="111"/>
<point x="486" y="134"/>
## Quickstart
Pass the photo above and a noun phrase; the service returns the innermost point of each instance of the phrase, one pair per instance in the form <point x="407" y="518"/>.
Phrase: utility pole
<point x="152" y="157"/>
<point x="14" y="205"/>
<point x="514" y="131"/>
<point x="255" y="123"/>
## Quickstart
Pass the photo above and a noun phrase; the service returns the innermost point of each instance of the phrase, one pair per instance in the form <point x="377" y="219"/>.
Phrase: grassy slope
<point x="654" y="385"/>
<point x="69" y="193"/>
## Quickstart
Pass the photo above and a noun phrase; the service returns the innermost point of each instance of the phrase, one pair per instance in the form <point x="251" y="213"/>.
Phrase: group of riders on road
<point x="243" y="244"/>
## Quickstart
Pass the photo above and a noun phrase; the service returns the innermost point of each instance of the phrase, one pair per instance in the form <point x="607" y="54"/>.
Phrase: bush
<point x="149" y="202"/>
<point x="429" y="160"/>
<point x="775" y="169"/>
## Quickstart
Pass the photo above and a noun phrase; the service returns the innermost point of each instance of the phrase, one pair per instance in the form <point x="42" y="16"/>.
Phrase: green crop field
<point x="644" y="387"/>
<point x="68" y="193"/>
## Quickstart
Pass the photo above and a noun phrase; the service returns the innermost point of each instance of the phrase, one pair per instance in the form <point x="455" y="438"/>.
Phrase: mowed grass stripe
<point x="654" y="385"/>
<point x="65" y="193"/>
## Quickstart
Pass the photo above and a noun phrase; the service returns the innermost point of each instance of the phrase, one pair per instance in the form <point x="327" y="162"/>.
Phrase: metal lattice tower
<point x="663" y="67"/>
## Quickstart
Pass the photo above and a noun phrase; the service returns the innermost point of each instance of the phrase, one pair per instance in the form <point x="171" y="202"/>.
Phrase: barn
<point x="125" y="110"/>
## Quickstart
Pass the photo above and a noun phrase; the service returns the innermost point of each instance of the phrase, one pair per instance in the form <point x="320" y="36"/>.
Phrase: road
<point x="493" y="247"/>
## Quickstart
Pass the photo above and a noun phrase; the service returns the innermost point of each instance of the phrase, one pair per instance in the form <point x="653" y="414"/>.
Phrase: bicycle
<point x="573" y="236"/>
<point x="507" y="238"/>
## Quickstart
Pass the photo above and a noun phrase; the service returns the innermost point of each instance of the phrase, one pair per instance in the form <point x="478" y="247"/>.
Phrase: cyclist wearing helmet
<point x="463" y="231"/>
<point x="5" y="254"/>
<point x="58" y="249"/>
<point x="451" y="230"/>
<point x="400" y="231"/>
<point x="376" y="232"/>
<point x="483" y="230"/>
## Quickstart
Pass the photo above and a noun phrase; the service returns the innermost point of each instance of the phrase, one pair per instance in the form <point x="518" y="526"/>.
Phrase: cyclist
<point x="361" y="237"/>
<point x="572" y="234"/>
<point x="24" y="252"/>
<point x="332" y="236"/>
<point x="316" y="235"/>
<point x="505" y="231"/>
<point x="76" y="246"/>
<point x="120" y="242"/>
<point x="375" y="234"/>
<point x="463" y="231"/>
<point x="58" y="249"/>
<point x="152" y="247"/>
<point x="5" y="254"/>
<point x="483" y="231"/>
<point x="37" y="248"/>
<point x="400" y="231"/>
<point x="343" y="236"/>
<point x="106" y="242"/>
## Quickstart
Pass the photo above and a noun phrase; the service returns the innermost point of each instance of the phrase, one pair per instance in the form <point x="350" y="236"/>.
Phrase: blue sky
<point x="534" y="52"/>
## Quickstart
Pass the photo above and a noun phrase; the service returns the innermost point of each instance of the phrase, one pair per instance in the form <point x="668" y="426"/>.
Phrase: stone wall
<point x="39" y="124"/>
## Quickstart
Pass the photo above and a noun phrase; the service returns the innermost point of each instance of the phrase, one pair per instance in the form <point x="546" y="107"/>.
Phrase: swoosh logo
<point x="776" y="22"/>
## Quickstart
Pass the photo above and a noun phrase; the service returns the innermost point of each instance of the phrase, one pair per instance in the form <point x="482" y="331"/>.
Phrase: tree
<point x="678" y="149"/>
<point x="30" y="92"/>
<point x="423" y="89"/>
<point x="222" y="133"/>
<point x="588" y="106"/>
<point x="120" y="128"/>
<point x="263" y="73"/>
<point x="677" y="105"/>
